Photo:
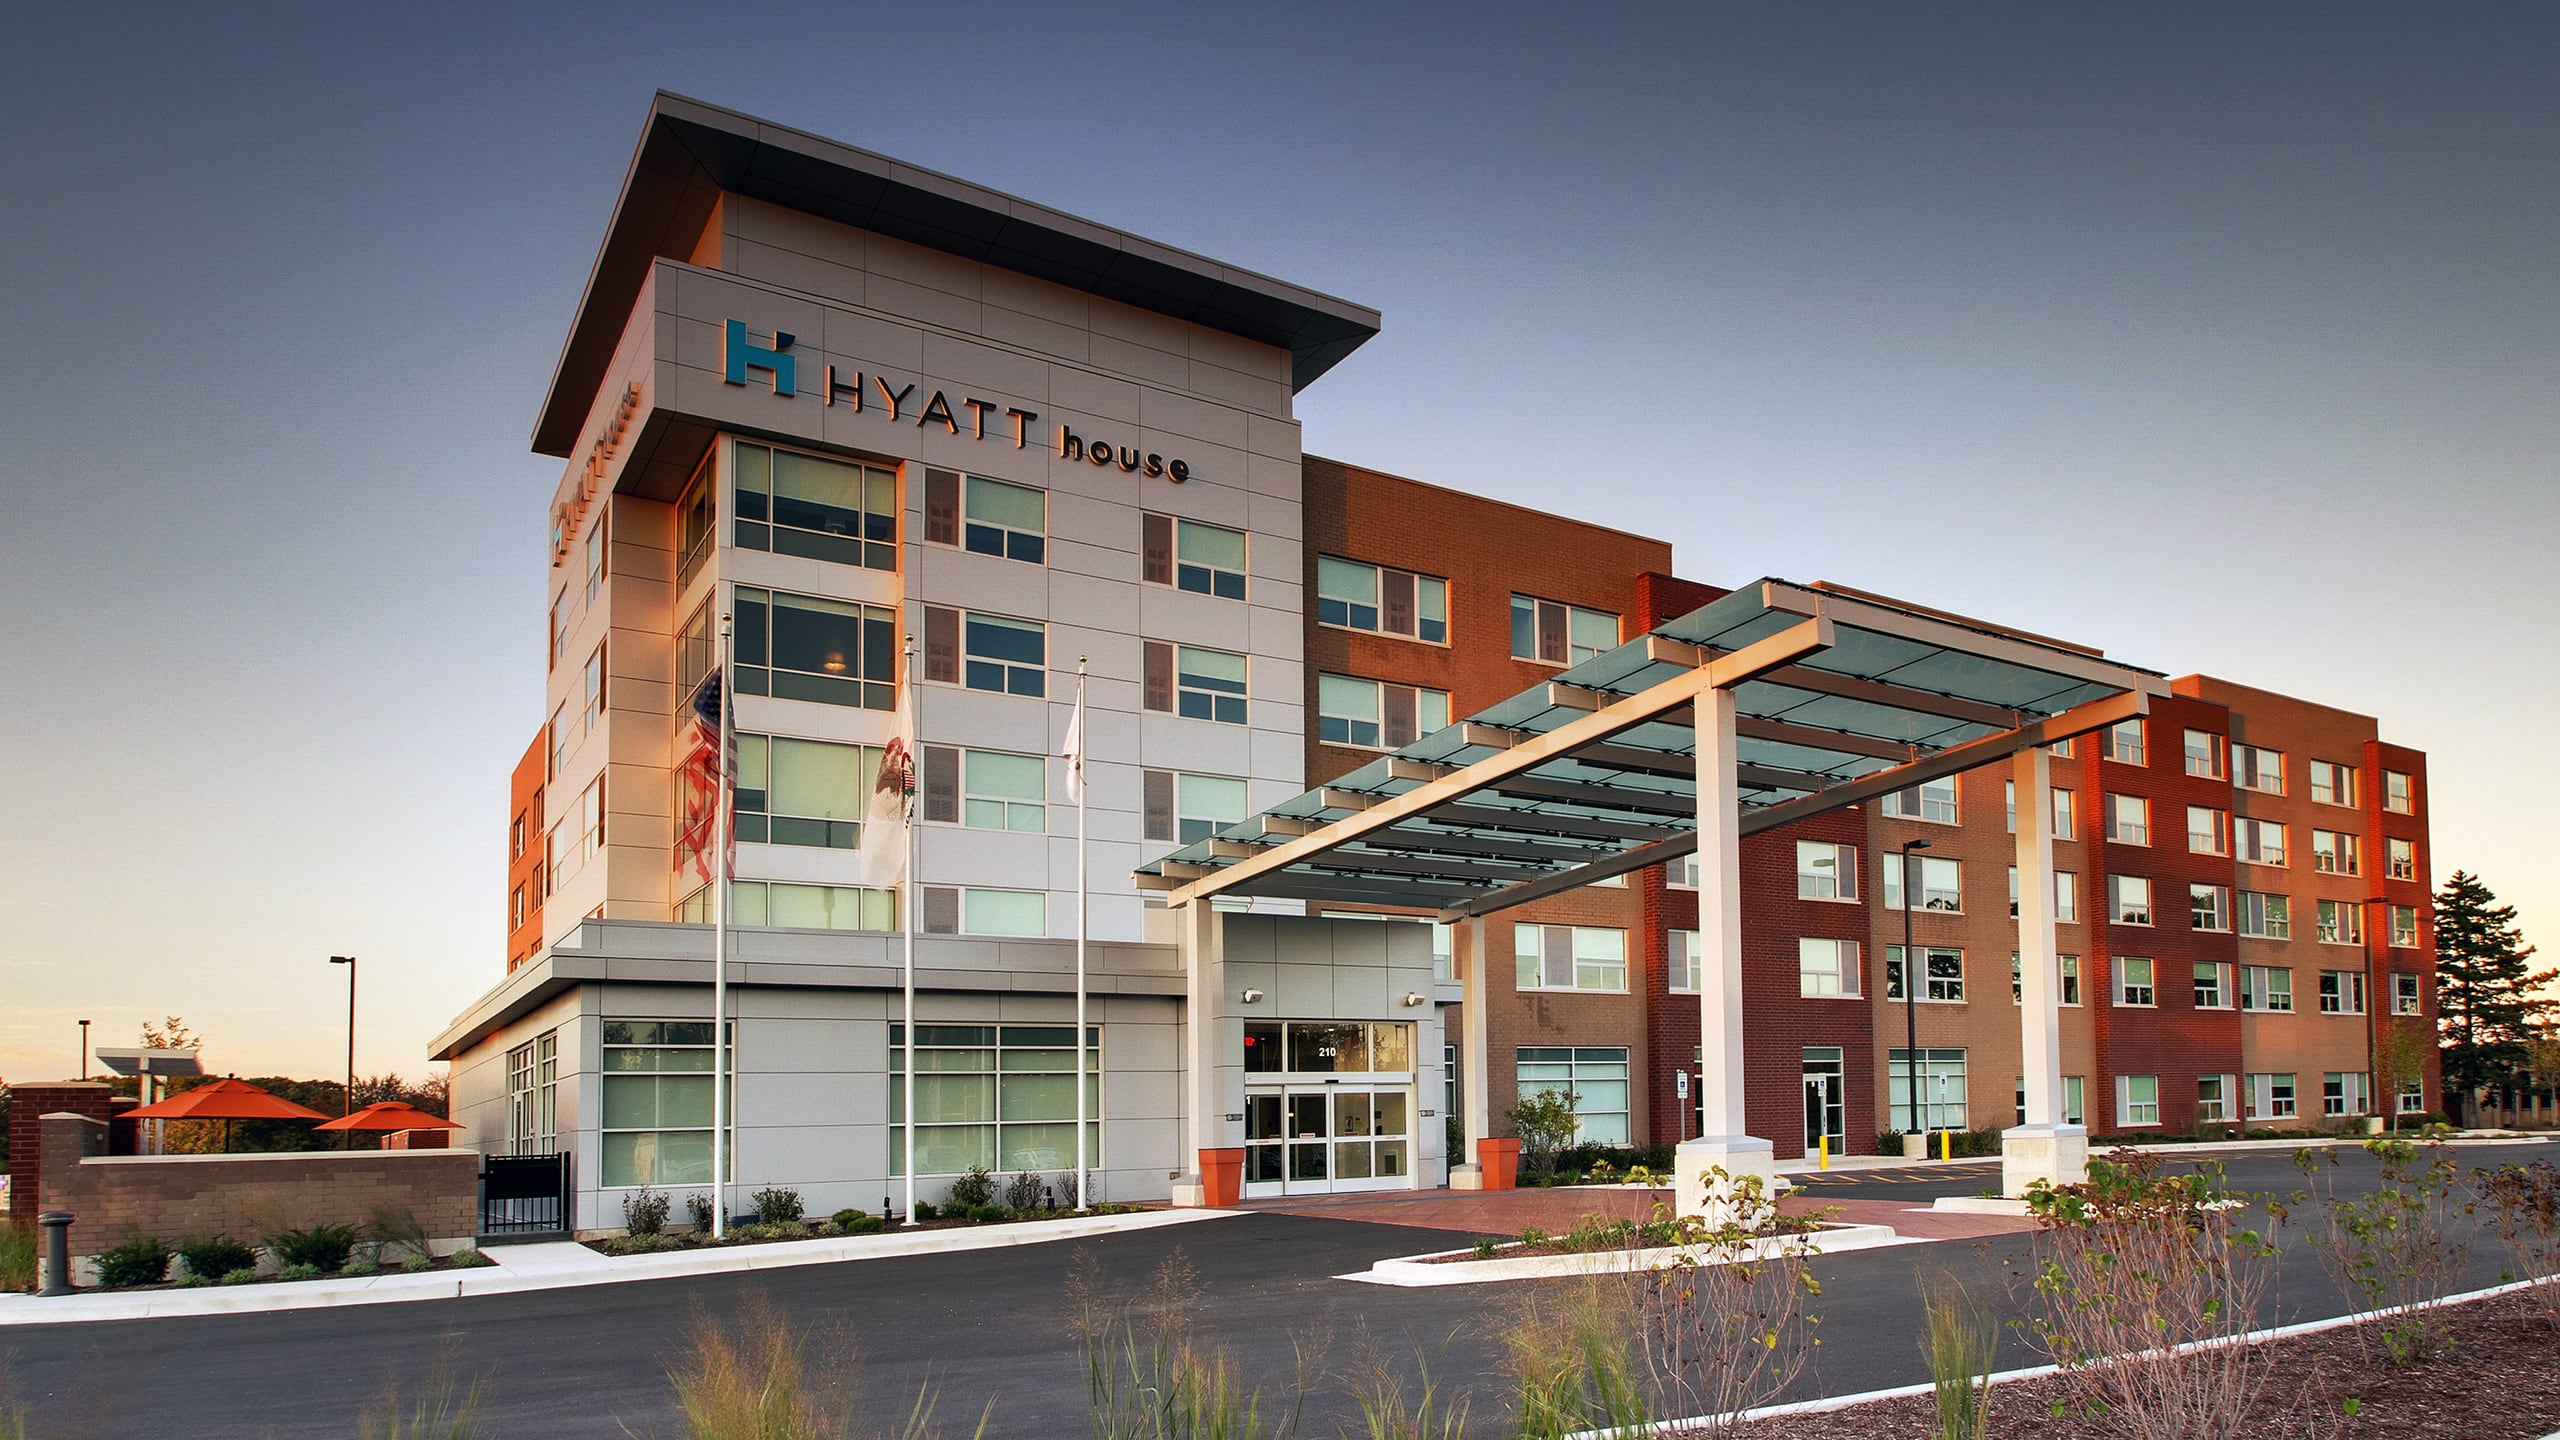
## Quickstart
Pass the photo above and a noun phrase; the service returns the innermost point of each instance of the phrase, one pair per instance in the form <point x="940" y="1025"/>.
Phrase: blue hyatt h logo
<point x="741" y="357"/>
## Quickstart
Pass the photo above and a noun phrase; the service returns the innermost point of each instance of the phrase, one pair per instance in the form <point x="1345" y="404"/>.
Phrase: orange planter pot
<point x="1222" y="1176"/>
<point x="1501" y="1162"/>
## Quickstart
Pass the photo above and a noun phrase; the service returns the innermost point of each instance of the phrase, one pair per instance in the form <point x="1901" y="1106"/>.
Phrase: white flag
<point x="883" y="856"/>
<point x="1074" y="748"/>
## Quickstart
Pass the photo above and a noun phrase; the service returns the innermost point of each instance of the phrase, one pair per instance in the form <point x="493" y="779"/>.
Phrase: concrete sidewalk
<point x="561" y="1264"/>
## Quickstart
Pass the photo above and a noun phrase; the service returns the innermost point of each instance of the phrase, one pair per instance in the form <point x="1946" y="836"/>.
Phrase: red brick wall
<point x="525" y="860"/>
<point x="248" y="1196"/>
<point x="28" y="1105"/>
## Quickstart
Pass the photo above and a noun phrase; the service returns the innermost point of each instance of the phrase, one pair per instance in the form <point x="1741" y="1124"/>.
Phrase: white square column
<point x="1466" y="943"/>
<point x="1723" y="1142"/>
<point x="1204" y="968"/>
<point x="2044" y="1148"/>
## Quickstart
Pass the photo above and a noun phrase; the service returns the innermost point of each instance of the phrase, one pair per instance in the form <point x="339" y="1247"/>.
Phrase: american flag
<point x="706" y="760"/>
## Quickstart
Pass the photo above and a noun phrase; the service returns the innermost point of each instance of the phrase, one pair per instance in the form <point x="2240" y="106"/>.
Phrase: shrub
<point x="862" y="1224"/>
<point x="1570" y="1363"/>
<point x="468" y="1259"/>
<point x="843" y="1219"/>
<point x="1545" y="1121"/>
<point x="1025" y="1191"/>
<point x="416" y="1263"/>
<point x="1148" y="1372"/>
<point x="17" y="1258"/>
<point x="644" y="1211"/>
<point x="436" y="1412"/>
<point x="210" y="1257"/>
<point x="1063" y="1185"/>
<point x="322" y="1247"/>
<point x="2526" y="1201"/>
<point x="1961" y="1344"/>
<point x="241" y="1276"/>
<point x="190" y="1282"/>
<point x="986" y="1214"/>
<point x="926" y="1211"/>
<point x="394" y="1227"/>
<point x="698" y="1205"/>
<point x="2395" y="1247"/>
<point x="975" y="1188"/>
<point x="642" y="1244"/>
<point x="299" y="1271"/>
<point x="1729" y="1325"/>
<point x="778" y="1205"/>
<point x="1888" y="1142"/>
<point x="361" y="1266"/>
<point x="142" y="1260"/>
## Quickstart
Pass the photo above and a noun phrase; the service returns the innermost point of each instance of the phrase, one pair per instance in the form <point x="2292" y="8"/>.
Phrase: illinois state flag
<point x="883" y="856"/>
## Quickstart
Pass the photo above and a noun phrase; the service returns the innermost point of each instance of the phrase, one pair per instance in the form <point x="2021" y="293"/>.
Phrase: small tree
<point x="2400" y="1055"/>
<point x="2486" y="998"/>
<point x="1546" y="1122"/>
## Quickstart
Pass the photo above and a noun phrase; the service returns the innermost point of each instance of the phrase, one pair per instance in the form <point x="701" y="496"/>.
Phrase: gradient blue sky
<point x="1932" y="300"/>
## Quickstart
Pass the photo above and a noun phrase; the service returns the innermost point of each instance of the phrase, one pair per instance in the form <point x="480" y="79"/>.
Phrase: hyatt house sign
<point x="978" y="419"/>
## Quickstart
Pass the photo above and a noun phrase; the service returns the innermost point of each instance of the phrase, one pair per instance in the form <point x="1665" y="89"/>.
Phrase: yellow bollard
<point x="1946" y="1145"/>
<point x="1822" y="1148"/>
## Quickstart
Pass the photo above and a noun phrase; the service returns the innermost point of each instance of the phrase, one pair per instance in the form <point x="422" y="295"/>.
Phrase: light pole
<point x="346" y="1103"/>
<point x="1910" y="988"/>
<point x="84" y="1050"/>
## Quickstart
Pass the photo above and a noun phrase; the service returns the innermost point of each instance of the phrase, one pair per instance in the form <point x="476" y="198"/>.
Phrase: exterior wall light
<point x="1252" y="996"/>
<point x="1413" y="997"/>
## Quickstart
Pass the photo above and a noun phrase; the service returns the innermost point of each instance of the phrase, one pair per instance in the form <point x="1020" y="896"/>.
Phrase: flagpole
<point x="907" y="922"/>
<point x="720" y="956"/>
<point x="1076" y="777"/>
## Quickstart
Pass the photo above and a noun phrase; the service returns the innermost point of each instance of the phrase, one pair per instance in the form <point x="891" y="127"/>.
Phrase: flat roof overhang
<point x="1840" y="697"/>
<point x="691" y="152"/>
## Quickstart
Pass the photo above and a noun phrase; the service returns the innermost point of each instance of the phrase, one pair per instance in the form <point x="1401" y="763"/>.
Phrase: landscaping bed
<point x="842" y="1225"/>
<point x="1597" y="1235"/>
<point x="2495" y="1380"/>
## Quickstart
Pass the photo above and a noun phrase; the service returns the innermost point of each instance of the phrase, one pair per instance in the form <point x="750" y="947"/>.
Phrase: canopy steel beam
<point x="1527" y="822"/>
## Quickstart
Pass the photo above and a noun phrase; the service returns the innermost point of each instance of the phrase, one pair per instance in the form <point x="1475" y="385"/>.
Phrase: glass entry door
<point x="1321" y="1140"/>
<point x="1826" y="1110"/>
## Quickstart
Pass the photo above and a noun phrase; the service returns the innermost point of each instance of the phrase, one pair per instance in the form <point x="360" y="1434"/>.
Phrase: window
<point x="2124" y="742"/>
<point x="1942" y="1097"/>
<point x="2400" y="857"/>
<point x="1680" y="961"/>
<point x="2069" y="991"/>
<point x="2060" y="749"/>
<point x="800" y="792"/>
<point x="2271" y="1097"/>
<point x="1941" y="881"/>
<point x="515" y="909"/>
<point x="2266" y="987"/>
<point x="2404" y="926"/>
<point x="694" y="651"/>
<point x="800" y="647"/>
<point x="2345" y="1093"/>
<point x="697" y="519"/>
<point x="1392" y="602"/>
<point x="2209" y="907"/>
<point x="1569" y="957"/>
<point x="2066" y="814"/>
<point x="2213" y="1099"/>
<point x="797" y="907"/>
<point x="986" y="789"/>
<point x="2130" y="899"/>
<point x="2009" y="806"/>
<point x="2208" y="831"/>
<point x="1597" y="1074"/>
<point x="2205" y="754"/>
<point x="1827" y="967"/>
<point x="591" y="819"/>
<point x="1681" y="874"/>
<point x="2066" y="897"/>
<point x="1824" y="871"/>
<point x="2260" y="842"/>
<point x="988" y="652"/>
<point x="559" y="732"/>
<point x="2413" y="1098"/>
<point x="2266" y="917"/>
<point x="533" y="1096"/>
<point x="2332" y="783"/>
<point x="977" y="910"/>
<point x="2333" y="853"/>
<point x="657" y="1102"/>
<point x="2128" y="820"/>
<point x="792" y="503"/>
<point x="2134" y="981"/>
<point x="2397" y="795"/>
<point x="1945" y="971"/>
<point x="1184" y="807"/>
<point x="2137" y="1099"/>
<point x="559" y="629"/>
<point x="595" y="678"/>
<point x="1372" y="715"/>
<point x="2213" y="985"/>
<point x="1195" y="683"/>
<point x="515" y="837"/>
<point x="2341" y="992"/>
<point x="999" y="1096"/>
<point x="2258" y="769"/>
<point x="1559" y="634"/>
<point x="2404" y="995"/>
<point x="2341" y="922"/>
<point x="1931" y="800"/>
<point x="598" y="549"/>
<point x="1189" y="555"/>
<point x="989" y="517"/>
<point x="1327" y="1047"/>
<point x="2070" y="979"/>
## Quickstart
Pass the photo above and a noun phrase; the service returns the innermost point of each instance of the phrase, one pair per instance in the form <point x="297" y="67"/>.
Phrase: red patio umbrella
<point x="226" y="1100"/>
<point x="390" y="1115"/>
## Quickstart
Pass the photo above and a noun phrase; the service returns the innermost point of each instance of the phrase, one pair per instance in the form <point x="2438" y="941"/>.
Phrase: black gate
<point x="524" y="1197"/>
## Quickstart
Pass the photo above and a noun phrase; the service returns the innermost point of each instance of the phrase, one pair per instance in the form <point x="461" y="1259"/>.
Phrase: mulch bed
<point x="2498" y="1378"/>
<point x="693" y="1240"/>
<point x="1564" y="1245"/>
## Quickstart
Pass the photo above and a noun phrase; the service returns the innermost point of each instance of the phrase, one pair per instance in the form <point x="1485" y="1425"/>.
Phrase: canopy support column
<point x="1466" y="943"/>
<point x="2044" y="1148"/>
<point x="1218" y="1170"/>
<point x="1724" y="1143"/>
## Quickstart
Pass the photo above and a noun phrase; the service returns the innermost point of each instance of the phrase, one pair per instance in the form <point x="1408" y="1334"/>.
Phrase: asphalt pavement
<point x="985" y="1326"/>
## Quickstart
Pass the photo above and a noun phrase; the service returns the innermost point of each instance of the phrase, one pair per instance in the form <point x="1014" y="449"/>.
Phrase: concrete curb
<point x="1421" y="1271"/>
<point x="550" y="1267"/>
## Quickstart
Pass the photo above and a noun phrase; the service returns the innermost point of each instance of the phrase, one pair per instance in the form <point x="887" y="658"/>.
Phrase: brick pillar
<point x="27" y="1106"/>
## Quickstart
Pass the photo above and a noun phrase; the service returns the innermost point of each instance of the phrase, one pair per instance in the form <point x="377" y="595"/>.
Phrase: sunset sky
<point x="2226" y="338"/>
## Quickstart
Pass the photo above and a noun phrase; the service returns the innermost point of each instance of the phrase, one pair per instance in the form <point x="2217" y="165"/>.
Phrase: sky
<point x="2224" y="337"/>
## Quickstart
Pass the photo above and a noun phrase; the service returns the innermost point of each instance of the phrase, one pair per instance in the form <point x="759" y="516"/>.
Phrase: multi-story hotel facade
<point x="908" y="440"/>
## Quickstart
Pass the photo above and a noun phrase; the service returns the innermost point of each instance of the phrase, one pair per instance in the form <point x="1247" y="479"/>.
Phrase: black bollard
<point x="56" y="1225"/>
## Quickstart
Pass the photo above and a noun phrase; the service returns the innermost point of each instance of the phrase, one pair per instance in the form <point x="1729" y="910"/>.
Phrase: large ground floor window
<point x="1942" y="1090"/>
<point x="1595" y="1073"/>
<point x="657" y="1102"/>
<point x="533" y="1096"/>
<point x="1002" y="1096"/>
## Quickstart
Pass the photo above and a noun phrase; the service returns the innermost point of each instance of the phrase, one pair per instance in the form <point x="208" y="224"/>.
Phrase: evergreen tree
<point x="2485" y="989"/>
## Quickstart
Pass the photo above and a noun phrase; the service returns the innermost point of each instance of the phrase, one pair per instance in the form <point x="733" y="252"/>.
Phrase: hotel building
<point x="914" y="436"/>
